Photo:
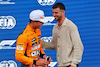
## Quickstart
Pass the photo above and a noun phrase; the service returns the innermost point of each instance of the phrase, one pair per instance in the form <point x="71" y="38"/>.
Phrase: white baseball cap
<point x="38" y="15"/>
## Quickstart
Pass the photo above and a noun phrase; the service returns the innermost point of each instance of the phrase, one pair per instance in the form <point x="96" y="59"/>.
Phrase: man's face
<point x="38" y="24"/>
<point x="57" y="13"/>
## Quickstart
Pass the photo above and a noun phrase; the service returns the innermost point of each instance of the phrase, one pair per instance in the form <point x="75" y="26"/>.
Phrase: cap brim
<point x="45" y="20"/>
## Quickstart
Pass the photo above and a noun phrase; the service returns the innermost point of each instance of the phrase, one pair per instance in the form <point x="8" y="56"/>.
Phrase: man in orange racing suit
<point x="28" y="47"/>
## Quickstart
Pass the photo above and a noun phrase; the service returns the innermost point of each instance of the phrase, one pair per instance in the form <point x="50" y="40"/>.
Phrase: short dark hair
<point x="59" y="5"/>
<point x="30" y="20"/>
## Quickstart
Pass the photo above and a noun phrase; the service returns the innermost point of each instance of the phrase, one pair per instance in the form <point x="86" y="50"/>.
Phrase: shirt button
<point x="58" y="36"/>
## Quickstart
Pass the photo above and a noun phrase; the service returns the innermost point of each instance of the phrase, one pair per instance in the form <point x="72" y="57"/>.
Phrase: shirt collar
<point x="64" y="23"/>
<point x="31" y="29"/>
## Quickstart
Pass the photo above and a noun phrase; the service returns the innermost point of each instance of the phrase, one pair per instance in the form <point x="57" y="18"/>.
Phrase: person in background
<point x="66" y="39"/>
<point x="28" y="47"/>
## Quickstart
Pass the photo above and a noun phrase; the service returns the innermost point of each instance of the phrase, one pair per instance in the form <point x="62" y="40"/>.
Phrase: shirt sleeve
<point x="47" y="45"/>
<point x="20" y="51"/>
<point x="77" y="46"/>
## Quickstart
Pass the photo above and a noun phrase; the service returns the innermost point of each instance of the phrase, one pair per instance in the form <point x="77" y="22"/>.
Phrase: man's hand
<point x="41" y="62"/>
<point x="50" y="60"/>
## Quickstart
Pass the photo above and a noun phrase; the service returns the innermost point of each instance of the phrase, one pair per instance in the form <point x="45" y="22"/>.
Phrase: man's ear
<point x="63" y="11"/>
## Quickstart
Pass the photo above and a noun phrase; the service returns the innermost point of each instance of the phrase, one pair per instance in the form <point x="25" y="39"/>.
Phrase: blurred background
<point x="14" y="17"/>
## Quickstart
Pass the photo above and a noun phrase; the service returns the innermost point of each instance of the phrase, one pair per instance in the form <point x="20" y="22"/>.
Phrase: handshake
<point x="43" y="62"/>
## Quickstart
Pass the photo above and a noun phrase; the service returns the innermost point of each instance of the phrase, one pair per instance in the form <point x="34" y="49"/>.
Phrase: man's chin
<point x="39" y="28"/>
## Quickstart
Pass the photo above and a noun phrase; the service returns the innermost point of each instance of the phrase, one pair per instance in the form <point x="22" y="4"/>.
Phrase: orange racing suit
<point x="28" y="47"/>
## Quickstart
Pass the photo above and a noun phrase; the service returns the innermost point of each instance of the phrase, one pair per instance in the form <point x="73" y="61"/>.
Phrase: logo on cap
<point x="42" y="17"/>
<point x="46" y="2"/>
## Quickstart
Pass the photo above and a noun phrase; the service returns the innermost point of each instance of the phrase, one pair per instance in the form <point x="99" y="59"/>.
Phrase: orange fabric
<point x="29" y="43"/>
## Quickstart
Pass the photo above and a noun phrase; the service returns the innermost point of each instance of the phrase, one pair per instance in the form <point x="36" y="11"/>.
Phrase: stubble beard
<point x="58" y="18"/>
